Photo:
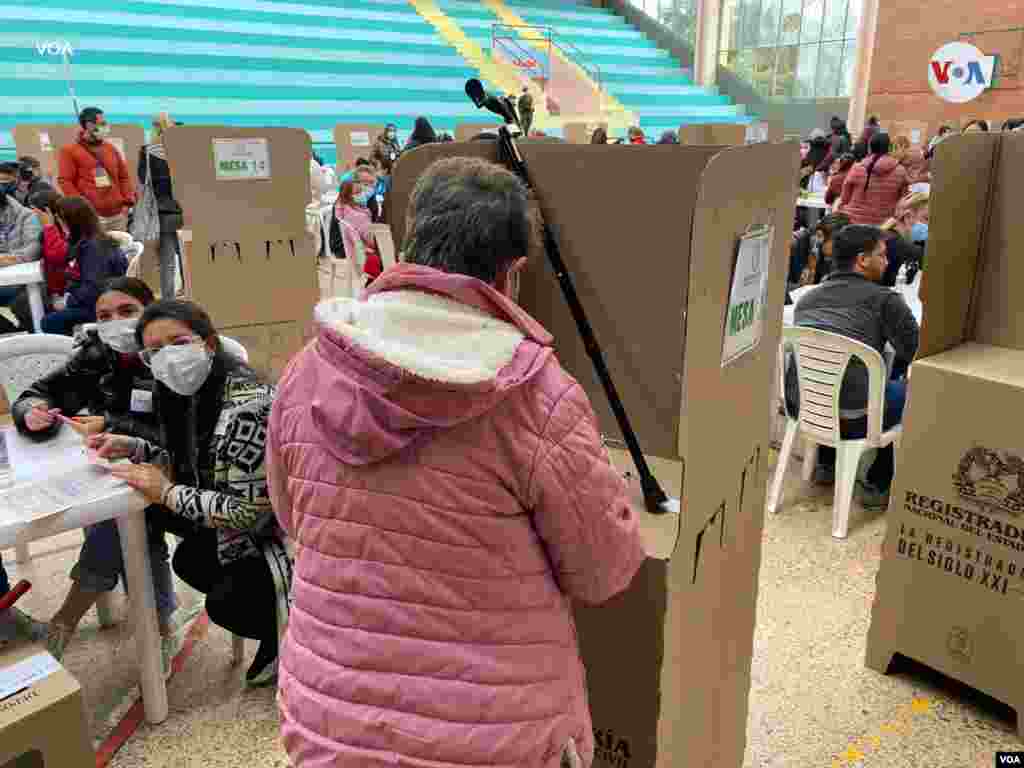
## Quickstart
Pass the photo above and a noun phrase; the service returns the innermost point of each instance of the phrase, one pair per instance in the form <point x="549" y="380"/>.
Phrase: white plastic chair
<point x="335" y="262"/>
<point x="25" y="359"/>
<point x="821" y="362"/>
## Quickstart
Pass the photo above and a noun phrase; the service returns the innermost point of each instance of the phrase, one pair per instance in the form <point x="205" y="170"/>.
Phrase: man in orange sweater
<point x="93" y="168"/>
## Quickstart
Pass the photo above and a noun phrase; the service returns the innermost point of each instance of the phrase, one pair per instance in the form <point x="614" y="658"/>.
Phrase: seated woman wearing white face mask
<point x="208" y="475"/>
<point x="106" y="377"/>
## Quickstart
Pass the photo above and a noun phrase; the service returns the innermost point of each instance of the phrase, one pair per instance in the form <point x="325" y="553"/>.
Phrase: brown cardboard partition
<point x="44" y="140"/>
<point x="466" y="131"/>
<point x="668" y="661"/>
<point x="951" y="584"/>
<point x="355" y="140"/>
<point x="580" y="133"/>
<point x="713" y="134"/>
<point x="252" y="264"/>
<point x="917" y="131"/>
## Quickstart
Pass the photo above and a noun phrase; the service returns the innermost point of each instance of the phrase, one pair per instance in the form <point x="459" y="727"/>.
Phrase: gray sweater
<point x="848" y="303"/>
<point x="21" y="234"/>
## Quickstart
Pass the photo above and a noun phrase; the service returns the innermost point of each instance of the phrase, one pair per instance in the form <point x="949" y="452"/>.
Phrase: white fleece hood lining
<point x="430" y="336"/>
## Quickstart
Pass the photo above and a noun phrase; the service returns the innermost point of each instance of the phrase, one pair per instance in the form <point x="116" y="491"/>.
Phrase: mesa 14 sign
<point x="959" y="72"/>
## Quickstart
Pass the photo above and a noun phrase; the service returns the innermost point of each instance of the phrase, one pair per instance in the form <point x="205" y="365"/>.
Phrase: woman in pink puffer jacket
<point x="445" y="484"/>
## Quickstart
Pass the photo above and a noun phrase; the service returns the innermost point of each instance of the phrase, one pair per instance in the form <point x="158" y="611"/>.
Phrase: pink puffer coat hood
<point x="444" y="482"/>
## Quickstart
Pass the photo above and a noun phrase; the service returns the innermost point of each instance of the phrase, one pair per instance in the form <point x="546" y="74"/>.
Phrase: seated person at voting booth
<point x="106" y="380"/>
<point x="93" y="256"/>
<point x="447" y="488"/>
<point x="810" y="258"/>
<point x="350" y="224"/>
<point x="853" y="303"/>
<point x="209" y="476"/>
<point x="20" y="231"/>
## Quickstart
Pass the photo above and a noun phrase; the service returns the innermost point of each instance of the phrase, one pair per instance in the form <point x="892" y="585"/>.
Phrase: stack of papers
<point x="26" y="502"/>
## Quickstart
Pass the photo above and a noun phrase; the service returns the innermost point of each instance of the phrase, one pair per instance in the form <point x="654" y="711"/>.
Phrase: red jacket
<point x="55" y="259"/>
<point x="875" y="201"/>
<point x="77" y="176"/>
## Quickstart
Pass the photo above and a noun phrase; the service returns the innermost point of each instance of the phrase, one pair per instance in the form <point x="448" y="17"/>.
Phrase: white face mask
<point x="119" y="335"/>
<point x="183" y="369"/>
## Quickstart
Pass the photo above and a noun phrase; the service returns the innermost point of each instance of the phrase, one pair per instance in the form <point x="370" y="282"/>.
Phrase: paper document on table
<point x="31" y="461"/>
<point x="22" y="674"/>
<point x="57" y="493"/>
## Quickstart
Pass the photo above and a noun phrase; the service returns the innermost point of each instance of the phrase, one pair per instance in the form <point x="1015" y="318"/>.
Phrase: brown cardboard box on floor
<point x="44" y="140"/>
<point x="251" y="262"/>
<point x="951" y="583"/>
<point x="668" y="661"/>
<point x="713" y="134"/>
<point x="42" y="715"/>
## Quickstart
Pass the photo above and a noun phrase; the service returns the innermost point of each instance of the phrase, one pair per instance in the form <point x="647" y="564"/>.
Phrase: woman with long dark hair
<point x="105" y="378"/>
<point x="208" y="475"/>
<point x="875" y="185"/>
<point x="93" y="257"/>
<point x="422" y="133"/>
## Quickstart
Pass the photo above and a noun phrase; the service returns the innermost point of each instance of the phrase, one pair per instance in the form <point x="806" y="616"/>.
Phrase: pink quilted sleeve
<point x="581" y="505"/>
<point x="277" y="473"/>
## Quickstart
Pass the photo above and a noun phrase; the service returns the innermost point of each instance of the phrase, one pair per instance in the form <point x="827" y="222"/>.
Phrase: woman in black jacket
<point x="155" y="157"/>
<point x="105" y="377"/>
<point x="810" y="257"/>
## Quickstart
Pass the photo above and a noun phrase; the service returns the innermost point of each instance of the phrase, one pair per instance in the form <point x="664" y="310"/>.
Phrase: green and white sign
<point x="238" y="159"/>
<point x="744" y="320"/>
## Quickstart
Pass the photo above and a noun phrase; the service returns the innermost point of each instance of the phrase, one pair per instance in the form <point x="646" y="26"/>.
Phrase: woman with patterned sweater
<point x="210" y="476"/>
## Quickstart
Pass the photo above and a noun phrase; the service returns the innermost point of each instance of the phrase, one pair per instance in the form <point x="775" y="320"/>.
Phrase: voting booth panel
<point x="684" y="289"/>
<point x="466" y="131"/>
<point x="713" y="134"/>
<point x="951" y="582"/>
<point x="44" y="140"/>
<point x="252" y="264"/>
<point x="353" y="141"/>
<point x="580" y="133"/>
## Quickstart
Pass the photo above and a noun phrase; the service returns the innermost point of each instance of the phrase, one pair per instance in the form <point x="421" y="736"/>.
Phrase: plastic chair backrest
<point x="325" y="228"/>
<point x="26" y="359"/>
<point x="234" y="348"/>
<point x="821" y="361"/>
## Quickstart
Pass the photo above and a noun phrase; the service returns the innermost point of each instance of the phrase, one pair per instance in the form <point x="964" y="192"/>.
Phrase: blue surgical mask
<point x="919" y="232"/>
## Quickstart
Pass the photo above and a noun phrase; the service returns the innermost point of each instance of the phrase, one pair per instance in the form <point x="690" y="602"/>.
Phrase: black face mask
<point x="27" y="174"/>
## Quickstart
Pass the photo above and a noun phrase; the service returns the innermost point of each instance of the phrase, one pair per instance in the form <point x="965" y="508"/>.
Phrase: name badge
<point x="142" y="401"/>
<point x="102" y="179"/>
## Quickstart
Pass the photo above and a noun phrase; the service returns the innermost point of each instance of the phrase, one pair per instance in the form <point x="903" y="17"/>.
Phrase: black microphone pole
<point x="655" y="497"/>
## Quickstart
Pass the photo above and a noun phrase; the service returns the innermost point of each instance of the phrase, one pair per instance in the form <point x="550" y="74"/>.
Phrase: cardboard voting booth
<point x="951" y="585"/>
<point x="713" y="134"/>
<point x="686" y="302"/>
<point x="42" y="714"/>
<point x="580" y="133"/>
<point x="43" y="142"/>
<point x="252" y="265"/>
<point x="353" y="141"/>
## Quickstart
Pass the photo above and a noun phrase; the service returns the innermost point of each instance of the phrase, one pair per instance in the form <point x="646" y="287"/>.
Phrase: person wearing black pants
<point x="210" y="476"/>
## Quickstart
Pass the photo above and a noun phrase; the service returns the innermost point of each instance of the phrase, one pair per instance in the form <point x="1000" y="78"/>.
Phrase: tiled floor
<point x="813" y="703"/>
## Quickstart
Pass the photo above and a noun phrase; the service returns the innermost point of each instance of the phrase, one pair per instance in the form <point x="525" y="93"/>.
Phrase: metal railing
<point x="520" y="39"/>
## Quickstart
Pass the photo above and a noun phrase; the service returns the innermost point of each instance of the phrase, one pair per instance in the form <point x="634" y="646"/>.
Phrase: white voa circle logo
<point x="959" y="72"/>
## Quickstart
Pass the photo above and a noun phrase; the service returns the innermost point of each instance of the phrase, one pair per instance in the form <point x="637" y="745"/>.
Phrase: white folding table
<point x="127" y="507"/>
<point x="31" y="276"/>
